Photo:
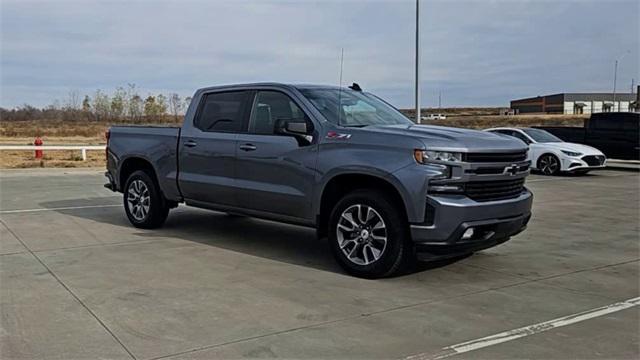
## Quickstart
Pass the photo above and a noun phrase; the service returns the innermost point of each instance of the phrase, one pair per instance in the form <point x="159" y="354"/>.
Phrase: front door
<point x="208" y="148"/>
<point x="275" y="173"/>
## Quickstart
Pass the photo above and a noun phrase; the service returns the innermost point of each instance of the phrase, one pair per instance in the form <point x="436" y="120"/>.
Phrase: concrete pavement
<point x="78" y="282"/>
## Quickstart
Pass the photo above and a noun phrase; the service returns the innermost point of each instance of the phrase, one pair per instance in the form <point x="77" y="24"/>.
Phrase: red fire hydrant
<point x="38" y="142"/>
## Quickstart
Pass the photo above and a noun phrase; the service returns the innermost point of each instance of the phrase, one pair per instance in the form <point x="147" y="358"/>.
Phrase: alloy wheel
<point x="362" y="234"/>
<point x="549" y="164"/>
<point x="138" y="199"/>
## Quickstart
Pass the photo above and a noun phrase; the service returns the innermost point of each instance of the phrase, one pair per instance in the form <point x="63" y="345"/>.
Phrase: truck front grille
<point x="493" y="190"/>
<point x="504" y="157"/>
<point x="593" y="160"/>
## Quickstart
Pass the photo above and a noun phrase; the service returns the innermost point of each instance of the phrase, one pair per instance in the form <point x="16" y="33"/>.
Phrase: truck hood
<point x="453" y="139"/>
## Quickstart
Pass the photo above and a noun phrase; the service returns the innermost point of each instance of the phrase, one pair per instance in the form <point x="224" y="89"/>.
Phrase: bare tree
<point x="101" y="105"/>
<point x="175" y="105"/>
<point x="73" y="102"/>
<point x="134" y="102"/>
<point x="118" y="103"/>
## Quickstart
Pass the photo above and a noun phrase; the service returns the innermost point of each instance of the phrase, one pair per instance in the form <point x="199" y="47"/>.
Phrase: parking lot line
<point x="58" y="208"/>
<point x="526" y="331"/>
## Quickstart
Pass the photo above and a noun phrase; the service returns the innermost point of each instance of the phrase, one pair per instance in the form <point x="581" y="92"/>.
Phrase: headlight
<point x="424" y="156"/>
<point x="571" y="153"/>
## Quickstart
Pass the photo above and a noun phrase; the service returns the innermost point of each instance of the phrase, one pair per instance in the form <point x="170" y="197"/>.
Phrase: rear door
<point x="208" y="148"/>
<point x="275" y="173"/>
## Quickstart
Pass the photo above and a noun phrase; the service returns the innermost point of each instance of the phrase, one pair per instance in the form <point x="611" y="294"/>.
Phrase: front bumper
<point x="493" y="223"/>
<point x="588" y="162"/>
<point x="111" y="185"/>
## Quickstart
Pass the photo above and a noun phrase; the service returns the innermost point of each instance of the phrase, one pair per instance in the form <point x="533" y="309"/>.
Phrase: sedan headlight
<point x="424" y="156"/>
<point x="571" y="153"/>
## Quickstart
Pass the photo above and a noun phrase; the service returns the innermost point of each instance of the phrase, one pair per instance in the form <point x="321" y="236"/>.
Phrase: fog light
<point x="446" y="188"/>
<point x="468" y="234"/>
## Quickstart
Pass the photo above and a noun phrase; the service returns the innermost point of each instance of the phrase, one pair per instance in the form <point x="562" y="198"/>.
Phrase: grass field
<point x="92" y="133"/>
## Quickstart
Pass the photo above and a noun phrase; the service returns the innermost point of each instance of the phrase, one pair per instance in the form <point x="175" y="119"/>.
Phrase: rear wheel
<point x="549" y="164"/>
<point x="368" y="236"/>
<point x="144" y="204"/>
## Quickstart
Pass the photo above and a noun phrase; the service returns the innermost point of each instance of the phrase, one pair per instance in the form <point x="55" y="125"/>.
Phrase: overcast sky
<point x="482" y="52"/>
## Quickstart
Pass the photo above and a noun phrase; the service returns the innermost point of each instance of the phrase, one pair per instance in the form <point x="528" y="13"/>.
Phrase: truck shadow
<point x="261" y="238"/>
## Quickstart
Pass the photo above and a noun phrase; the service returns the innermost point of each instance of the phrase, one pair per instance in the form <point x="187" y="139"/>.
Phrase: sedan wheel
<point x="549" y="164"/>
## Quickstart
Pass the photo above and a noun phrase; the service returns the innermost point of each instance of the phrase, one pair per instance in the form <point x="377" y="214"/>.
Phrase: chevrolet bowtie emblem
<point x="511" y="170"/>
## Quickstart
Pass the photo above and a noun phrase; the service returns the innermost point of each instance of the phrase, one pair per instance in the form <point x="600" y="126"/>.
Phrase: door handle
<point x="248" y="147"/>
<point x="190" y="143"/>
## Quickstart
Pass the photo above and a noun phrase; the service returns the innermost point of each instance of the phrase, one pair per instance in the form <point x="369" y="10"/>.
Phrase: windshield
<point x="356" y="108"/>
<point x="541" y="136"/>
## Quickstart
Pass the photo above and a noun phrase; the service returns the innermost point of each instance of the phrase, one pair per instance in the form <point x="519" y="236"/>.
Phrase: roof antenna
<point x="355" y="87"/>
<point x="340" y="88"/>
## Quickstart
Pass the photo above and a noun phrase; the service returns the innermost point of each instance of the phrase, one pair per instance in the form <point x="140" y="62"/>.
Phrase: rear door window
<point x="222" y="112"/>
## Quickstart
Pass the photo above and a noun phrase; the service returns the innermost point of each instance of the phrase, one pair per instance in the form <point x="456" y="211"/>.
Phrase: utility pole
<point x="418" y="117"/>
<point x="440" y="99"/>
<point x="633" y="85"/>
<point x="615" y="78"/>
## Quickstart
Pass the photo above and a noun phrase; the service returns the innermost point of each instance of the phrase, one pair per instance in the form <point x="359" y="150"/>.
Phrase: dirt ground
<point x="55" y="158"/>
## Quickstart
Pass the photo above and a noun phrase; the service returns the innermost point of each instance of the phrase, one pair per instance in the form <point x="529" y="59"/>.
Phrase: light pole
<point x="418" y="117"/>
<point x="615" y="78"/>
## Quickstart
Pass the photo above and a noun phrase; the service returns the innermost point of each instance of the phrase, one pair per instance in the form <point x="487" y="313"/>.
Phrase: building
<point x="577" y="103"/>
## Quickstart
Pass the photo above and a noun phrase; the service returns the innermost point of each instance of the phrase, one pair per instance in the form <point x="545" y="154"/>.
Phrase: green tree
<point x="86" y="104"/>
<point x="136" y="107"/>
<point x="150" y="106"/>
<point x="101" y="105"/>
<point x="161" y="103"/>
<point x="118" y="103"/>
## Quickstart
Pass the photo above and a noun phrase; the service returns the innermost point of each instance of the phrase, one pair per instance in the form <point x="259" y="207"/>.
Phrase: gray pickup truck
<point x="384" y="190"/>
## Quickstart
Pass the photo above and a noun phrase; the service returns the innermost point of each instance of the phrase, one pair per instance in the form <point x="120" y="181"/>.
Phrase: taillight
<point x="107" y="135"/>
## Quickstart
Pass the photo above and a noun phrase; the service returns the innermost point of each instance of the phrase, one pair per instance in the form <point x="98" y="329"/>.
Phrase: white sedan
<point x="551" y="155"/>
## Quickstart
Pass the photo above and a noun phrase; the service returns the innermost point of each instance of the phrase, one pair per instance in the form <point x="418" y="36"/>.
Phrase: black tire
<point x="397" y="252"/>
<point x="157" y="207"/>
<point x="549" y="164"/>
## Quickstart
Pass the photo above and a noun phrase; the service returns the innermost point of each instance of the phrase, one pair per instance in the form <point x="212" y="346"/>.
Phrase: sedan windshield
<point x="541" y="136"/>
<point x="354" y="108"/>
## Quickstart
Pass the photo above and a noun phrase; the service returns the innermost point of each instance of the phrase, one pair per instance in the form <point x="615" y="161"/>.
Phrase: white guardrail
<point x="82" y="148"/>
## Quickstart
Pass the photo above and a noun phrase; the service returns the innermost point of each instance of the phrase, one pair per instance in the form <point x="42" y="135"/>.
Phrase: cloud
<point x="474" y="52"/>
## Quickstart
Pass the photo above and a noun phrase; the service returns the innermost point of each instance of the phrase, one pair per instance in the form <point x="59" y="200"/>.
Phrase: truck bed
<point x="157" y="144"/>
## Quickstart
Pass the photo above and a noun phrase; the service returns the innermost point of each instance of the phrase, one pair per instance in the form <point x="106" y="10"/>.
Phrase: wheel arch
<point x="553" y="153"/>
<point x="341" y="184"/>
<point x="545" y="153"/>
<point x="132" y="164"/>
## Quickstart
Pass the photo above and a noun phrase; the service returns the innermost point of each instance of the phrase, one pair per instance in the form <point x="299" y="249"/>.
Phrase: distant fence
<point x="83" y="148"/>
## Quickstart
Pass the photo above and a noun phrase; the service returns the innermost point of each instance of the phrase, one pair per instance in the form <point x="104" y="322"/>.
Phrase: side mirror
<point x="292" y="127"/>
<point x="298" y="128"/>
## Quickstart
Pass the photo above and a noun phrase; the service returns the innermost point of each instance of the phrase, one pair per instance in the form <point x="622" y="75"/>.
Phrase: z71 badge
<point x="338" y="136"/>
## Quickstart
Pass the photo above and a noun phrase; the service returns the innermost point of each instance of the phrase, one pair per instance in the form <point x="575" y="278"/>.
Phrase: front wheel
<point x="368" y="236"/>
<point x="144" y="204"/>
<point x="549" y="164"/>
